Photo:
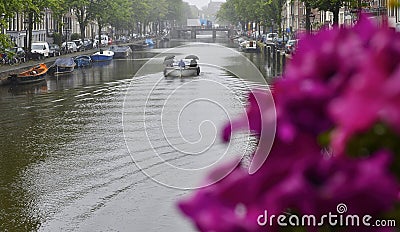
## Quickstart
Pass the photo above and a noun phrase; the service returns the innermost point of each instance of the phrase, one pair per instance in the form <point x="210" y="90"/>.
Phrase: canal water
<point x="112" y="147"/>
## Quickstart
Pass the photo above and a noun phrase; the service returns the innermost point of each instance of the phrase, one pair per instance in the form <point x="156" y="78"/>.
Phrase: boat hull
<point x="121" y="51"/>
<point x="58" y="70"/>
<point x="20" y="80"/>
<point x="99" y="58"/>
<point x="102" y="56"/>
<point x="121" y="54"/>
<point x="62" y="66"/>
<point x="181" y="72"/>
<point x="83" y="61"/>
<point x="32" y="75"/>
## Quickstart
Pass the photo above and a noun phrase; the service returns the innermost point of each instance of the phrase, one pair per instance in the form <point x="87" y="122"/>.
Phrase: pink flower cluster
<point x="339" y="85"/>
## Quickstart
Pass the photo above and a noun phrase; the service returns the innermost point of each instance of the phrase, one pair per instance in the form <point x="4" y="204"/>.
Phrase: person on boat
<point x="193" y="63"/>
<point x="181" y="63"/>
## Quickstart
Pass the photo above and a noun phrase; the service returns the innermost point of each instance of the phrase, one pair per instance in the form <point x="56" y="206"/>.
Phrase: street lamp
<point x="92" y="30"/>
<point x="26" y="24"/>
<point x="272" y="25"/>
<point x="66" y="39"/>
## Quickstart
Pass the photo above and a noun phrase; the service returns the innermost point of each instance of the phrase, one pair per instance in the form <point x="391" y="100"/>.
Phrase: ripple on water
<point x="73" y="170"/>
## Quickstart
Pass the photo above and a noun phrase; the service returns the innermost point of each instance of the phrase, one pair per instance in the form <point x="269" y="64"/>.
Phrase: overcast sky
<point x="201" y="3"/>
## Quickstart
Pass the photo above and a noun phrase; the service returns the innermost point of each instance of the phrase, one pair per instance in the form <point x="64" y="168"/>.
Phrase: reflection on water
<point x="64" y="164"/>
<point x="27" y="89"/>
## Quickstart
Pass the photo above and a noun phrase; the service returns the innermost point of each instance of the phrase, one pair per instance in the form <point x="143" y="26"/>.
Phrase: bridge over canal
<point x="179" y="32"/>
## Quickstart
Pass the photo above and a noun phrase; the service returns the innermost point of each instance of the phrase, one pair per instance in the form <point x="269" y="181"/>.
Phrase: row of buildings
<point x="17" y="28"/>
<point x="294" y="15"/>
<point x="293" y="20"/>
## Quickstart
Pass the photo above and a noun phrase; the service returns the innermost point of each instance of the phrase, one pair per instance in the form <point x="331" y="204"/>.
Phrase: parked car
<point x="71" y="47"/>
<point x="280" y="43"/>
<point x="271" y="37"/>
<point x="54" y="50"/>
<point x="79" y="45"/>
<point x="104" y="41"/>
<point x="122" y="39"/>
<point x="87" y="44"/>
<point x="290" y="46"/>
<point x="40" y="49"/>
<point x="19" y="53"/>
<point x="134" y="36"/>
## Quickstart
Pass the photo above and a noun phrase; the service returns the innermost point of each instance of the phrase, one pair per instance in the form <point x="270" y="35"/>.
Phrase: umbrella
<point x="192" y="57"/>
<point x="169" y="57"/>
<point x="168" y="62"/>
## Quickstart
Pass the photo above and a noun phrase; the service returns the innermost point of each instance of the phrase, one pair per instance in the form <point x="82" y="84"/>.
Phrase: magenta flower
<point x="365" y="185"/>
<point x="294" y="177"/>
<point x="373" y="94"/>
<point x="317" y="74"/>
<point x="235" y="202"/>
<point x="341" y="82"/>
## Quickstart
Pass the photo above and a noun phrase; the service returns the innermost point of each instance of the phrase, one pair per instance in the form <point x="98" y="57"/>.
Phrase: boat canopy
<point x="65" y="62"/>
<point x="192" y="57"/>
<point x="171" y="57"/>
<point x="168" y="62"/>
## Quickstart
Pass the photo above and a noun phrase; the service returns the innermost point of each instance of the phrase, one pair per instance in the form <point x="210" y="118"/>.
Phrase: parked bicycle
<point x="13" y="56"/>
<point x="8" y="58"/>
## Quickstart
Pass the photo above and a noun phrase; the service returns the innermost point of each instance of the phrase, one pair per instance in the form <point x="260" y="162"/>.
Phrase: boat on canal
<point x="149" y="42"/>
<point x="102" y="55"/>
<point x="121" y="51"/>
<point x="32" y="75"/>
<point x="187" y="67"/>
<point x="83" y="61"/>
<point x="248" y="46"/>
<point x="62" y="66"/>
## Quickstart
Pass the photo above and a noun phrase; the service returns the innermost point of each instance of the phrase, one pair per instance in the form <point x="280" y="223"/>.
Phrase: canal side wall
<point x="7" y="70"/>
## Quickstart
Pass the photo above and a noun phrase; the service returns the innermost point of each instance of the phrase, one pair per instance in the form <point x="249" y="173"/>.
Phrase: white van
<point x="40" y="48"/>
<point x="271" y="37"/>
<point x="104" y="40"/>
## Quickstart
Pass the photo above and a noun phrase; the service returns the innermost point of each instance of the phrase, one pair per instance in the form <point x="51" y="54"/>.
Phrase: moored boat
<point x="83" y="60"/>
<point x="34" y="74"/>
<point x="102" y="55"/>
<point x="62" y="66"/>
<point x="121" y="51"/>
<point x="149" y="42"/>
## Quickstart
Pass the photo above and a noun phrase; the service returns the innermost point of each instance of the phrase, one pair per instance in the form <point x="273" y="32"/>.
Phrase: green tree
<point x="83" y="15"/>
<point x="326" y="5"/>
<point x="267" y="12"/>
<point x="227" y="13"/>
<point x="59" y="10"/>
<point x="175" y="10"/>
<point x="187" y="14"/>
<point x="34" y="12"/>
<point x="141" y="9"/>
<point x="334" y="6"/>
<point x="101" y="11"/>
<point x="7" y="10"/>
<point x="122" y="15"/>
